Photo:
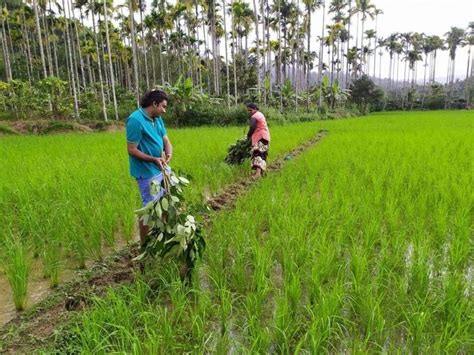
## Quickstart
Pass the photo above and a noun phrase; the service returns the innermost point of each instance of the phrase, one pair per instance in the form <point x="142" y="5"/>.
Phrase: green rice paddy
<point x="361" y="244"/>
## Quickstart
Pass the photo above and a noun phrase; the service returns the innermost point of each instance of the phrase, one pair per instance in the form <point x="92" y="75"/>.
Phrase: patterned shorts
<point x="144" y="187"/>
<point x="259" y="155"/>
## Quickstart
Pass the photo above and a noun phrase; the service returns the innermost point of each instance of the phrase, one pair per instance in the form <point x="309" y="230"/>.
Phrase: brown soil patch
<point x="34" y="328"/>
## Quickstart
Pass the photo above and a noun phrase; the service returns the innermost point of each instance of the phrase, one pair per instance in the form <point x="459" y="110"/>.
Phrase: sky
<point x="433" y="17"/>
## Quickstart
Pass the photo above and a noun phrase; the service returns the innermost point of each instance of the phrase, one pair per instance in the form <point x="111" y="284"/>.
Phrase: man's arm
<point x="168" y="149"/>
<point x="133" y="151"/>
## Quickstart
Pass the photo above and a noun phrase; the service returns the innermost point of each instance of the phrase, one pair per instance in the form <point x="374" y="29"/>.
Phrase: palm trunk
<point x="40" y="40"/>
<point x="68" y="41"/>
<point x="257" y="56"/>
<point x="390" y="72"/>
<point x="279" y="56"/>
<point x="434" y="66"/>
<point x="264" y="64"/>
<point x="468" y="62"/>
<point x="147" y="77"/>
<point x="215" y="52"/>
<point x="56" y="62"/>
<point x="321" y="55"/>
<point x="160" y="57"/>
<point x="234" y="44"/>
<point x="448" y="92"/>
<point x="226" y="53"/>
<point x="109" y="52"/>
<point x="269" y="49"/>
<point x="9" y="42"/>
<point x="380" y="68"/>
<point x="153" y="61"/>
<point x="27" y="37"/>
<point x="198" y="51"/>
<point x="47" y="46"/>
<point x="467" y="82"/>
<point x="348" y="43"/>
<point x="6" y="54"/>
<point x="308" y="43"/>
<point x="375" y="44"/>
<point x="88" y="61"/>
<point x="79" y="52"/>
<point x="74" y="56"/>
<point x="134" y="52"/>
<point x="206" y="56"/>
<point x="104" y="107"/>
<point x="363" y="62"/>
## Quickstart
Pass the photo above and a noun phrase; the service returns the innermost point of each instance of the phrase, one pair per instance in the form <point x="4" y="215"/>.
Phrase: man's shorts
<point x="144" y="187"/>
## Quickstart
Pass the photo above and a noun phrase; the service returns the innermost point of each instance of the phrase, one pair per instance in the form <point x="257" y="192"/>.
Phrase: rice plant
<point x="16" y="266"/>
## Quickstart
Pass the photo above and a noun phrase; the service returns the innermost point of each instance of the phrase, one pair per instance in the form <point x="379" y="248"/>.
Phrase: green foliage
<point x="50" y="98"/>
<point x="246" y="76"/>
<point x="55" y="91"/>
<point x="213" y="114"/>
<point x="436" y="98"/>
<point x="288" y="94"/>
<point x="173" y="233"/>
<point x="333" y="94"/>
<point x="183" y="97"/>
<point x="238" y="152"/>
<point x="16" y="266"/>
<point x="364" y="93"/>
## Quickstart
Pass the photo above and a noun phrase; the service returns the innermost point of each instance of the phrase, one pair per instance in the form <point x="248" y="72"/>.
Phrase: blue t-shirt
<point x="148" y="135"/>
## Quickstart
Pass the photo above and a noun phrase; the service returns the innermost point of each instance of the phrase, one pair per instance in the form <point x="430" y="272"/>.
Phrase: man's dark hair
<point x="252" y="106"/>
<point x="153" y="96"/>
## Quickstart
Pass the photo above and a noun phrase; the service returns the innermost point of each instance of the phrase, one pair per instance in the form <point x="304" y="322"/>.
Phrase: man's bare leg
<point x="143" y="233"/>
<point x="257" y="172"/>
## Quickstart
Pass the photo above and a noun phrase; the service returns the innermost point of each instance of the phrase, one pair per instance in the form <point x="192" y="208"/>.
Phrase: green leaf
<point x="174" y="180"/>
<point x="158" y="210"/>
<point x="140" y="257"/>
<point x="143" y="210"/>
<point x="183" y="180"/>
<point x="165" y="204"/>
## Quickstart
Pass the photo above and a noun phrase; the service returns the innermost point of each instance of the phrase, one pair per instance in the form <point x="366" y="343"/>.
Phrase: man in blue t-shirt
<point x="146" y="140"/>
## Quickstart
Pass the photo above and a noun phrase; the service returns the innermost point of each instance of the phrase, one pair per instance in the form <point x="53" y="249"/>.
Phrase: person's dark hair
<point x="252" y="106"/>
<point x="153" y="96"/>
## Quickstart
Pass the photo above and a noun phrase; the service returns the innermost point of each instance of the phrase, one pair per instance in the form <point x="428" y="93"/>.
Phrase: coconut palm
<point x="370" y="35"/>
<point x="40" y="39"/>
<point x="391" y="45"/>
<point x="453" y="40"/>
<point x="378" y="12"/>
<point x="366" y="9"/>
<point x="469" y="42"/>
<point x="310" y="7"/>
<point x="437" y="43"/>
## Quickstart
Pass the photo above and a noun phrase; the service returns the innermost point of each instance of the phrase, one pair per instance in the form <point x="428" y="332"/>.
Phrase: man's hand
<point x="168" y="158"/>
<point x="159" y="162"/>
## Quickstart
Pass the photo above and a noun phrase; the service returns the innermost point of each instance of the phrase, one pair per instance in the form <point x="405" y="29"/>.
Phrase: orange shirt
<point x="261" y="131"/>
